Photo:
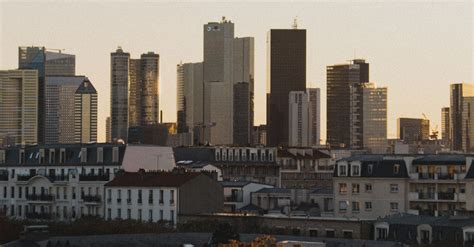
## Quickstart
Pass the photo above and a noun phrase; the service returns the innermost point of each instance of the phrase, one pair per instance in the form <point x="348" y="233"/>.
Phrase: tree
<point x="224" y="233"/>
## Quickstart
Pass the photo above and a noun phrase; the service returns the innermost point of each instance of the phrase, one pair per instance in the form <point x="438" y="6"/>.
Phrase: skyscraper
<point x="372" y="127"/>
<point x="108" y="130"/>
<point x="286" y="72"/>
<point x="445" y="125"/>
<point x="342" y="85"/>
<point x="19" y="106"/>
<point x="314" y="108"/>
<point x="85" y="113"/>
<point x="413" y="129"/>
<point x="59" y="64"/>
<point x="461" y="116"/>
<point x="135" y="99"/>
<point x="119" y="79"/>
<point x="59" y="108"/>
<point x="298" y="119"/>
<point x="148" y="87"/>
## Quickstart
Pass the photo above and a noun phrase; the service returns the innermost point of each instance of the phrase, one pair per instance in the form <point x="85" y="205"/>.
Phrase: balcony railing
<point x="43" y="197"/>
<point x="24" y="177"/>
<point x="91" y="177"/>
<point x="233" y="198"/>
<point x="426" y="195"/>
<point x="58" y="178"/>
<point x="39" y="216"/>
<point x="445" y="196"/>
<point x="92" y="198"/>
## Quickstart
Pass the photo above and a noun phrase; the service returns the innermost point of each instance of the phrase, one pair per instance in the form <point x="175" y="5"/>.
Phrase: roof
<point x="441" y="159"/>
<point x="251" y="207"/>
<point x="411" y="219"/>
<point x="321" y="191"/>
<point x="152" y="179"/>
<point x="274" y="191"/>
<point x="316" y="154"/>
<point x="234" y="183"/>
<point x="64" y="80"/>
<point x="86" y="87"/>
<point x="376" y="166"/>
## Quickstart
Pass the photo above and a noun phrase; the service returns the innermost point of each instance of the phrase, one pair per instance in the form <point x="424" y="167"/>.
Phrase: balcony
<point x="24" y="177"/>
<point x="233" y="198"/>
<point x="58" y="178"/>
<point x="129" y="201"/>
<point x="413" y="196"/>
<point x="4" y="177"/>
<point x="43" y="197"/>
<point x="39" y="216"/>
<point x="92" y="198"/>
<point x="445" y="196"/>
<point x="93" y="177"/>
<point x="426" y="196"/>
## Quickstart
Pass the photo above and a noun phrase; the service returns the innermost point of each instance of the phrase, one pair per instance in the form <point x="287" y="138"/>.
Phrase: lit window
<point x="355" y="170"/>
<point x="396" y="168"/>
<point x="355" y="189"/>
<point x="342" y="188"/>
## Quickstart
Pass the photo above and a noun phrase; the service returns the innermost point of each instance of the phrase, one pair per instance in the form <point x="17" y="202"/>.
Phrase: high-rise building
<point x="413" y="129"/>
<point x="314" y="108"/>
<point x="286" y="72"/>
<point x="120" y="62"/>
<point x="59" y="64"/>
<point x="298" y="119"/>
<point x="85" y="113"/>
<point x="373" y="125"/>
<point x="18" y="106"/>
<point x="259" y="135"/>
<point x="59" y="108"/>
<point x="445" y="125"/>
<point x="135" y="99"/>
<point x="108" y="133"/>
<point x="342" y="86"/>
<point x="190" y="98"/>
<point x="460" y="118"/>
<point x="148" y="88"/>
<point x="218" y="82"/>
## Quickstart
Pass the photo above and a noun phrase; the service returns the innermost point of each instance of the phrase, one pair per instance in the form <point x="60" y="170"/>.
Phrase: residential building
<point x="342" y="86"/>
<point x="430" y="184"/>
<point x="119" y="82"/>
<point x="269" y="199"/>
<point x="59" y="108"/>
<point x="459" y="113"/>
<point x="237" y="194"/>
<point x="253" y="164"/>
<point x="85" y="113"/>
<point x="162" y="196"/>
<point x="413" y="129"/>
<point x="60" y="182"/>
<point x="286" y="69"/>
<point x="445" y="125"/>
<point x="18" y="107"/>
<point x="298" y="119"/>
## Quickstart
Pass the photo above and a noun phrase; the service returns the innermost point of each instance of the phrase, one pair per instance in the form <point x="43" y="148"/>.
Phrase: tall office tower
<point x="148" y="87"/>
<point x="108" y="130"/>
<point x="119" y="79"/>
<point x="373" y="125"/>
<point x="85" y="113"/>
<point x="218" y="82"/>
<point x="59" y="108"/>
<point x="286" y="72"/>
<point x="134" y="101"/>
<point x="413" y="129"/>
<point x="19" y="106"/>
<point x="314" y="95"/>
<point x="459" y="124"/>
<point x="59" y="64"/>
<point x="243" y="78"/>
<point x="47" y="63"/>
<point x="342" y="81"/>
<point x="298" y="119"/>
<point x="445" y="125"/>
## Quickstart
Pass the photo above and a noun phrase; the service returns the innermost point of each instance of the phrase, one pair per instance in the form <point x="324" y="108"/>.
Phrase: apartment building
<point x="162" y="196"/>
<point x="237" y="194"/>
<point x="60" y="182"/>
<point x="371" y="186"/>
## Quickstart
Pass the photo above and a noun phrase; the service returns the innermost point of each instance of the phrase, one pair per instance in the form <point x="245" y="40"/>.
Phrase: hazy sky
<point x="415" y="48"/>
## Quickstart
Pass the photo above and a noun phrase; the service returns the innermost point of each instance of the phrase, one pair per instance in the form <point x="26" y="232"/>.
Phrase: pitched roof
<point x="153" y="179"/>
<point x="316" y="154"/>
<point x="234" y="183"/>
<point x="274" y="190"/>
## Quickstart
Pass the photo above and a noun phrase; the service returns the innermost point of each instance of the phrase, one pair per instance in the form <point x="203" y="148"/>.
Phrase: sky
<point x="415" y="48"/>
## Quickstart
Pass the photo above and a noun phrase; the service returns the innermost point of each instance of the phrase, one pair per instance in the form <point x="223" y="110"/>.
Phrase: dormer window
<point x="263" y="156"/>
<point x="22" y="156"/>
<point x="115" y="154"/>
<point x="244" y="155"/>
<point x="231" y="155"/>
<point x="100" y="155"/>
<point x="355" y="170"/>
<point x="396" y="169"/>
<point x="83" y="155"/>
<point x="41" y="156"/>
<point x="342" y="171"/>
<point x="52" y="156"/>
<point x="270" y="156"/>
<point x="370" y="169"/>
<point x="237" y="155"/>
<point x="218" y="154"/>
<point x="62" y="156"/>
<point x="224" y="155"/>
<point x="2" y="156"/>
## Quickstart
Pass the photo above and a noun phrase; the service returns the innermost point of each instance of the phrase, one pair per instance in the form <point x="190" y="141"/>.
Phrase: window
<point x="370" y="169"/>
<point x="19" y="210"/>
<point x="2" y="156"/>
<point x="172" y="216"/>
<point x="115" y="155"/>
<point x="368" y="187"/>
<point x="161" y="196"/>
<point x="355" y="169"/>
<point x="65" y="193"/>
<point x="150" y="196"/>
<point x="171" y="197"/>
<point x="83" y="155"/>
<point x="73" y="193"/>
<point x="52" y="156"/>
<point x="342" y="170"/>
<point x="20" y="192"/>
<point x="343" y="205"/>
<point x="313" y="232"/>
<point x="396" y="169"/>
<point x="109" y="214"/>
<point x="129" y="196"/>
<point x="393" y="188"/>
<point x="129" y="214"/>
<point x="62" y="155"/>
<point x="119" y="196"/>
<point x="139" y="197"/>
<point x="65" y="212"/>
<point x="119" y="213"/>
<point x="100" y="155"/>
<point x="368" y="206"/>
<point x="347" y="234"/>
<point x="394" y="206"/>
<point x="139" y="214"/>
<point x="342" y="188"/>
<point x="355" y="189"/>
<point x="161" y="214"/>
<point x="150" y="215"/>
<point x="355" y="206"/>
<point x="73" y="212"/>
<point x="12" y="190"/>
<point x="330" y="233"/>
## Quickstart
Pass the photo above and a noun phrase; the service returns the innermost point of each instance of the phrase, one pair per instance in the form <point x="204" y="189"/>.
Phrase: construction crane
<point x="434" y="133"/>
<point x="55" y="49"/>
<point x="424" y="116"/>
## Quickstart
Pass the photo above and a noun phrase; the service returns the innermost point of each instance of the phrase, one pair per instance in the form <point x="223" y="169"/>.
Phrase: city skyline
<point x="410" y="52"/>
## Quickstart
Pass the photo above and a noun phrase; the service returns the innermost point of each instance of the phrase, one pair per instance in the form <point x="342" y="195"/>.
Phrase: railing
<point x="233" y="199"/>
<point x="58" y="178"/>
<point x="119" y="200"/>
<point x="139" y="201"/>
<point x="39" y="216"/>
<point x="445" y="176"/>
<point x="90" y="177"/>
<point x="92" y="198"/>
<point x="44" y="197"/>
<point x="445" y="196"/>
<point x="426" y="176"/>
<point x="24" y="177"/>
<point x="426" y="195"/>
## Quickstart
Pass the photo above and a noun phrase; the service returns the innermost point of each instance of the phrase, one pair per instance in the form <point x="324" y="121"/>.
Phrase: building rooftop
<point x="234" y="183"/>
<point x="274" y="191"/>
<point x="153" y="179"/>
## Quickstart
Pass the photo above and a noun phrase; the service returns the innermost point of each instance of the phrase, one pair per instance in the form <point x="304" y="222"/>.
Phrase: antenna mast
<point x="295" y="23"/>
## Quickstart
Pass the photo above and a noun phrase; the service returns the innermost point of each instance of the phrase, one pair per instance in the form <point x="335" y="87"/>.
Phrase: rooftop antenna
<point x="295" y="23"/>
